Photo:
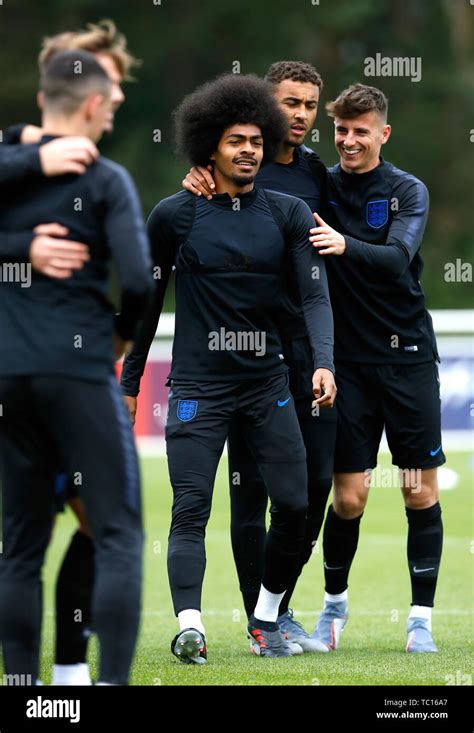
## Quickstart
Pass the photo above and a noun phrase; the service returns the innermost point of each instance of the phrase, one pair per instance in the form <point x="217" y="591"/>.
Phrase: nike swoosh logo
<point x="435" y="452"/>
<point x="340" y="567"/>
<point x="422" y="570"/>
<point x="282" y="403"/>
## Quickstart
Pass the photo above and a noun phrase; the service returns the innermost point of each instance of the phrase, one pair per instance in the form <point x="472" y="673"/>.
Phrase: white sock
<point x="267" y="605"/>
<point x="421" y="612"/>
<point x="336" y="597"/>
<point x="190" y="619"/>
<point x="71" y="674"/>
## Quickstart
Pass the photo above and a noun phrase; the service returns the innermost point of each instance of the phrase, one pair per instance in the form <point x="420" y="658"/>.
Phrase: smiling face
<point x="238" y="155"/>
<point x="298" y="100"/>
<point x="358" y="141"/>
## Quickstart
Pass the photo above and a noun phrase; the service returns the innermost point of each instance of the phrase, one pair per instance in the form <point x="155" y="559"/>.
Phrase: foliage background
<point x="185" y="42"/>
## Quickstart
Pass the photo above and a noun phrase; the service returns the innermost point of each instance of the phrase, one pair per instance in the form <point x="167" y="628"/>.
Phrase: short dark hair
<point x="203" y="116"/>
<point x="69" y="78"/>
<point x="295" y="71"/>
<point x="357" y="100"/>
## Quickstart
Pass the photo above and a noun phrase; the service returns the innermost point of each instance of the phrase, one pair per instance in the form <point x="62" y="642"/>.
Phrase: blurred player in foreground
<point x="53" y="255"/>
<point x="61" y="404"/>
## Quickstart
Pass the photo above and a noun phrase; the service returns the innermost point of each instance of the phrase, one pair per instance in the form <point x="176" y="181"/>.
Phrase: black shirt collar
<point x="296" y="158"/>
<point x="295" y="162"/>
<point x="48" y="138"/>
<point x="226" y="202"/>
<point x="360" y="178"/>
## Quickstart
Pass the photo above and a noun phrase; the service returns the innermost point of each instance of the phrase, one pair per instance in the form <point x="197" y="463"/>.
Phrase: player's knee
<point x="420" y="488"/>
<point x="421" y="497"/>
<point x="295" y="507"/>
<point x="289" y="503"/>
<point x="349" y="505"/>
<point x="191" y="517"/>
<point x="192" y="500"/>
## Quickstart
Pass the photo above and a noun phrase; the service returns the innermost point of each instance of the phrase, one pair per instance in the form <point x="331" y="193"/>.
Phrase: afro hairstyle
<point x="203" y="116"/>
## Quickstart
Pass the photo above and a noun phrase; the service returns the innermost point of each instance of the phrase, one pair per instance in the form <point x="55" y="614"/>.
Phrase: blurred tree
<point x="185" y="42"/>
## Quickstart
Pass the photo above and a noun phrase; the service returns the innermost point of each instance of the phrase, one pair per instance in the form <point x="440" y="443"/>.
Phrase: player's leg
<point x="424" y="548"/>
<point x="248" y="507"/>
<point x="196" y="430"/>
<point x="318" y="429"/>
<point x="96" y="440"/>
<point x="359" y="430"/>
<point x="413" y="416"/>
<point x="276" y="441"/>
<point x="27" y="469"/>
<point x="74" y="588"/>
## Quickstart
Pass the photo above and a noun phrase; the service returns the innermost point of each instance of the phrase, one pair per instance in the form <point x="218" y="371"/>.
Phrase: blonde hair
<point x="101" y="37"/>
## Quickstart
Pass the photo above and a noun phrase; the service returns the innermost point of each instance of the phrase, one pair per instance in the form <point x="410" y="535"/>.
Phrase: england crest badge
<point x="377" y="213"/>
<point x="186" y="410"/>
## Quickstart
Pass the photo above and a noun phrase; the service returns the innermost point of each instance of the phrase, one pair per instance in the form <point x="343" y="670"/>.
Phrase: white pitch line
<point x="354" y="614"/>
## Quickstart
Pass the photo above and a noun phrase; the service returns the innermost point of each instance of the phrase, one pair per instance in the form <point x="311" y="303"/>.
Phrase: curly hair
<point x="203" y="116"/>
<point x="101" y="37"/>
<point x="295" y="71"/>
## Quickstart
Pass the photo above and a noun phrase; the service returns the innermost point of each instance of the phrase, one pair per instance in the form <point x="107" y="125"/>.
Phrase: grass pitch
<point x="372" y="646"/>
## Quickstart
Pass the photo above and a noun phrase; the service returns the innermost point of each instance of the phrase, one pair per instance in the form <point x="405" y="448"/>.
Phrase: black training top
<point x="229" y="256"/>
<point x="17" y="163"/>
<point x="304" y="177"/>
<point x="378" y="302"/>
<point x="50" y="326"/>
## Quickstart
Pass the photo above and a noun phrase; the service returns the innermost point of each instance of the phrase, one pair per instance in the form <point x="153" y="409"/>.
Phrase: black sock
<point x="424" y="547"/>
<point x="340" y="539"/>
<point x="73" y="600"/>
<point x="287" y="597"/>
<point x="264" y="625"/>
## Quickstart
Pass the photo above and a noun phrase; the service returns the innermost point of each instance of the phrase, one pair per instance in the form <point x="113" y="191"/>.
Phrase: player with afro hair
<point x="230" y="255"/>
<point x="203" y="116"/>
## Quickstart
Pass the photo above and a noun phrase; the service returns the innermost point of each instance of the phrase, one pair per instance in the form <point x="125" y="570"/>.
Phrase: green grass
<point x="372" y="648"/>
